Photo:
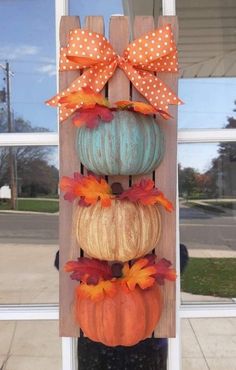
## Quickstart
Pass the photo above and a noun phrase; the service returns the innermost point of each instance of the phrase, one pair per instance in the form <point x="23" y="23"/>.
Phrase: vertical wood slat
<point x="69" y="164"/>
<point x="118" y="88"/>
<point x="142" y="25"/>
<point x="94" y="24"/>
<point x="166" y="180"/>
<point x="119" y="85"/>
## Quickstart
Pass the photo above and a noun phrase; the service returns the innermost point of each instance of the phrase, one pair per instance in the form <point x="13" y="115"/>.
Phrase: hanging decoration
<point x="91" y="52"/>
<point x="119" y="304"/>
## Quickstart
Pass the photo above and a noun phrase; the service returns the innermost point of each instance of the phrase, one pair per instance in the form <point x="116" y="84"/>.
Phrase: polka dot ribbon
<point x="92" y="52"/>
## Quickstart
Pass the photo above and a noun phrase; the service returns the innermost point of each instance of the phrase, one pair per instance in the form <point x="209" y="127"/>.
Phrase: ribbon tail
<point x="155" y="91"/>
<point x="95" y="77"/>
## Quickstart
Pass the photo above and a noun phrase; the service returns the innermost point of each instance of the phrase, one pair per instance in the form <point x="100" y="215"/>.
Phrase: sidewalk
<point x="27" y="275"/>
<point x="209" y="344"/>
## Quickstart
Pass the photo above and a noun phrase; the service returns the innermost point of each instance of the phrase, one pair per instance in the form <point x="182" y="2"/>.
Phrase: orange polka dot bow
<point x="92" y="52"/>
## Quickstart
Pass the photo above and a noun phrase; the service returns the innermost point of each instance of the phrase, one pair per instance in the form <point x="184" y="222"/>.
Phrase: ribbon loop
<point x="92" y="52"/>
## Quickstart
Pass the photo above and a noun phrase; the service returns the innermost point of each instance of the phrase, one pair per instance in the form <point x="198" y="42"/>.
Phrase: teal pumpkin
<point x="131" y="144"/>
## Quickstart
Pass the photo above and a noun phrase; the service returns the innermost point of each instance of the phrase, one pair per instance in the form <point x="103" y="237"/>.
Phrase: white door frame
<point x="51" y="311"/>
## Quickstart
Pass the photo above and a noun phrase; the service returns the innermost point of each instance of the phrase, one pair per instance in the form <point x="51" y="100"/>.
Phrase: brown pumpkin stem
<point x="117" y="188"/>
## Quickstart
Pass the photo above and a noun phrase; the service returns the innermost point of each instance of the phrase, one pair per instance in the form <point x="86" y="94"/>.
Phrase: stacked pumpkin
<point x="113" y="224"/>
<point x="120" y="227"/>
<point x="118" y="300"/>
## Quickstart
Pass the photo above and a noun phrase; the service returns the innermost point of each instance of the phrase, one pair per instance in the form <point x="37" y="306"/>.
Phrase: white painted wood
<point x="24" y="139"/>
<point x="206" y="136"/>
<point x="184" y="136"/>
<point x="69" y="354"/>
<point x="29" y="312"/>
<point x="188" y="311"/>
<point x="168" y="7"/>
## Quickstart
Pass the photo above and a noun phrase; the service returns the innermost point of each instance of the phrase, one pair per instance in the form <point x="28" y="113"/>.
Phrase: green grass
<point x="210" y="276"/>
<point x="33" y="205"/>
<point x="229" y="205"/>
<point x="205" y="207"/>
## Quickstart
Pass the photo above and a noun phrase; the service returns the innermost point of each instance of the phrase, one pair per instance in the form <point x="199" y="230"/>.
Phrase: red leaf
<point x="91" y="117"/>
<point x="69" y="185"/>
<point x="163" y="271"/>
<point x="146" y="194"/>
<point x="89" y="271"/>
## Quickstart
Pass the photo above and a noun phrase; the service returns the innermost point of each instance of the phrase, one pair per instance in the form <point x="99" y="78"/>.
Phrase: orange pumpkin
<point x="121" y="232"/>
<point x="123" y="319"/>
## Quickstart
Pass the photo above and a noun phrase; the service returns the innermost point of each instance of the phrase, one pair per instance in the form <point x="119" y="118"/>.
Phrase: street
<point x="201" y="229"/>
<point x="198" y="228"/>
<point x="28" y="228"/>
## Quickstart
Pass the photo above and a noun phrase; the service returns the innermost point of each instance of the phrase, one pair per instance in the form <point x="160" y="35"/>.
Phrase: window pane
<point x="26" y="345"/>
<point x="208" y="344"/>
<point x="207" y="54"/>
<point x="207" y="189"/>
<point x="27" y="42"/>
<point x="29" y="233"/>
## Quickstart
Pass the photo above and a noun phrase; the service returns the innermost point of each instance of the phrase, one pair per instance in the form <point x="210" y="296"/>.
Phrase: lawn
<point x="208" y="207"/>
<point x="33" y="205"/>
<point x="210" y="276"/>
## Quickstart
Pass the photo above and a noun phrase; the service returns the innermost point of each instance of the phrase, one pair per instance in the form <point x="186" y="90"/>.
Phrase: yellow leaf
<point x="138" y="274"/>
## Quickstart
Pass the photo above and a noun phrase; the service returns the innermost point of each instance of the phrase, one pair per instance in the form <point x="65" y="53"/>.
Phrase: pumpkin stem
<point x="117" y="188"/>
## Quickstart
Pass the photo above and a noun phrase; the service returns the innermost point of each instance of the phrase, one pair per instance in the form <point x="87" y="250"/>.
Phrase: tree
<point x="35" y="174"/>
<point x="223" y="168"/>
<point x="187" y="181"/>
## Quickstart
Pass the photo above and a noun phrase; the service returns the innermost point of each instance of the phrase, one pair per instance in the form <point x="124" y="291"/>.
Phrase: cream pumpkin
<point x="121" y="232"/>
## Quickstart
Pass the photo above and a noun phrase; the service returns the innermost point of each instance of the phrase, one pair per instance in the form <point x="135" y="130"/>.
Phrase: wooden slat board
<point x="119" y="87"/>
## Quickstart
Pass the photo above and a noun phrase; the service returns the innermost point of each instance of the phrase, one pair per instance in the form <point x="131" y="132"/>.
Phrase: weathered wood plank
<point x="118" y="88"/>
<point x="119" y="85"/>
<point x="142" y="25"/>
<point x="166" y="179"/>
<point x="68" y="165"/>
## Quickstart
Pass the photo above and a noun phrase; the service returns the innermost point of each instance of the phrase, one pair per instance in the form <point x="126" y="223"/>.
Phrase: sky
<point x="27" y="40"/>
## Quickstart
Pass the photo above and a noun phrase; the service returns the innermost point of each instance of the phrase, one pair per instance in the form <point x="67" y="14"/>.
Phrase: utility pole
<point x="10" y="126"/>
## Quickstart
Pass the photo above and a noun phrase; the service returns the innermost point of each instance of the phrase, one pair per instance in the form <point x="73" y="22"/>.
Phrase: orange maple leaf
<point x="97" y="292"/>
<point x="136" y="106"/>
<point x="89" y="188"/>
<point x="85" y="98"/>
<point x="139" y="274"/>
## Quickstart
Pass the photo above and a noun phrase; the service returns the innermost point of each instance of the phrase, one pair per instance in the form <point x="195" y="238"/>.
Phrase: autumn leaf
<point x="69" y="186"/>
<point x="144" y="272"/>
<point x="90" y="188"/>
<point x="145" y="193"/>
<point x="91" y="117"/>
<point x="140" y="274"/>
<point x="85" y="98"/>
<point x="164" y="271"/>
<point x="97" y="292"/>
<point x="89" y="270"/>
<point x="136" y="106"/>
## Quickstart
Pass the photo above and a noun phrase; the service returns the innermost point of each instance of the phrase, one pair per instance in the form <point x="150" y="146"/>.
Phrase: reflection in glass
<point x="207" y="189"/>
<point x="207" y="56"/>
<point x="29" y="233"/>
<point x="29" y="345"/>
